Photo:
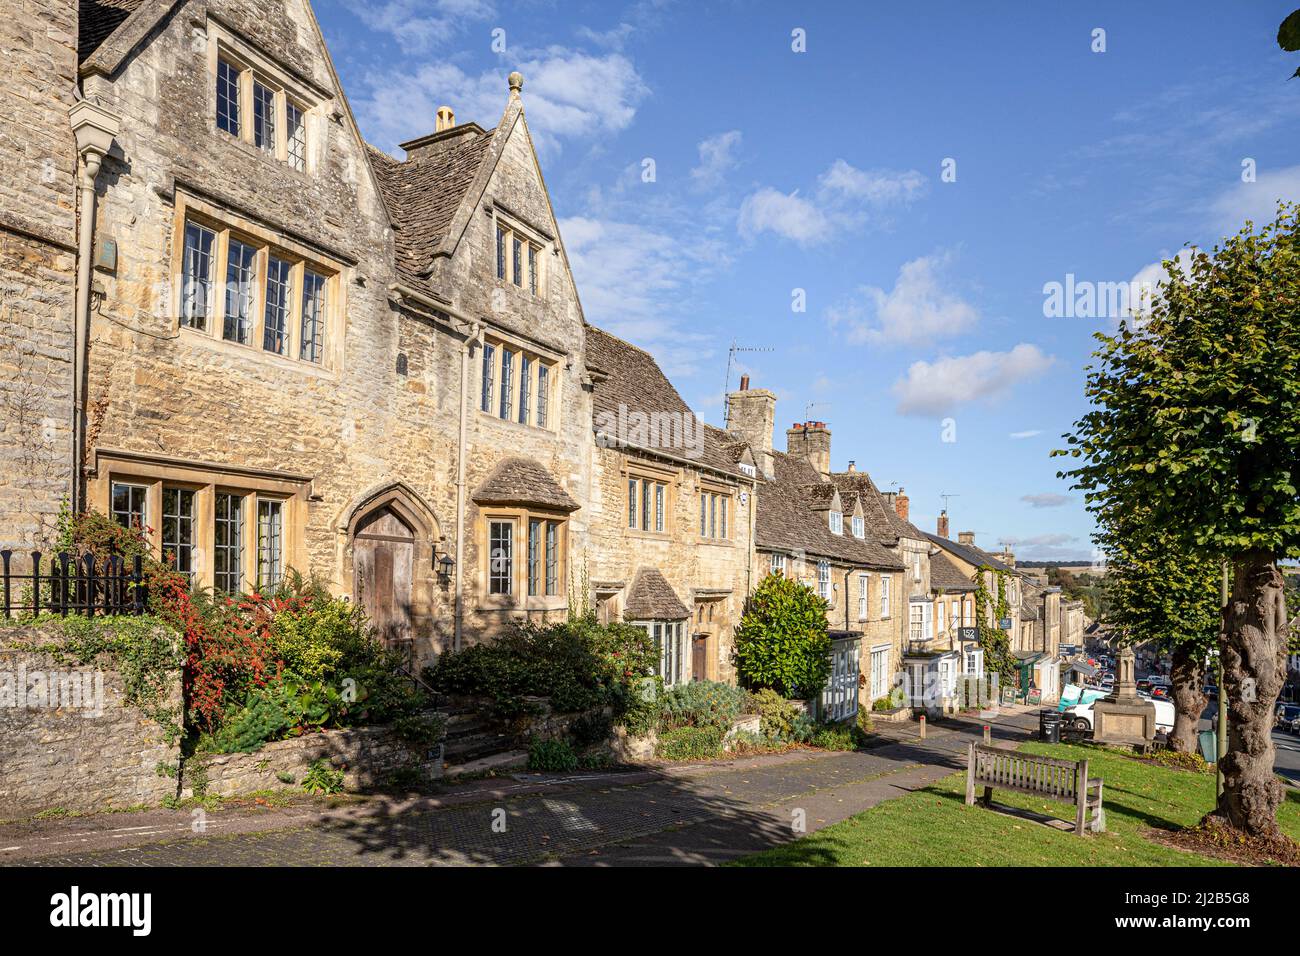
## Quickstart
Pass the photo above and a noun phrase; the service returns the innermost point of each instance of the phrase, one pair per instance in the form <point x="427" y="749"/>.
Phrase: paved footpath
<point x="686" y="815"/>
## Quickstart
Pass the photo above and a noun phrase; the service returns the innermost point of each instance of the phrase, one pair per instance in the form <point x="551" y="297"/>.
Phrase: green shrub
<point x="579" y="664"/>
<point x="591" y="728"/>
<point x="701" y="703"/>
<point x="322" y="778"/>
<point x="783" y="722"/>
<point x="834" y="737"/>
<point x="782" y="642"/>
<point x="551" y="756"/>
<point x="690" y="743"/>
<point x="288" y="707"/>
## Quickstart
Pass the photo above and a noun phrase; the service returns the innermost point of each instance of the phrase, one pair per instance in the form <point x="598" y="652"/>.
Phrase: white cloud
<point x="1145" y="285"/>
<point x="845" y="198"/>
<point x="1046" y="500"/>
<point x="934" y="388"/>
<point x="791" y="217"/>
<point x="419" y="26"/>
<point x="1255" y="201"/>
<point x="633" y="280"/>
<point x="1030" y="433"/>
<point x="716" y="158"/>
<point x="567" y="95"/>
<point x="917" y="309"/>
<point x="872" y="185"/>
<point x="1039" y="540"/>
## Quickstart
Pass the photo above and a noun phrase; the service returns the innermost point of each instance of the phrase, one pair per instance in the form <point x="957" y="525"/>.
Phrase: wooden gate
<point x="383" y="552"/>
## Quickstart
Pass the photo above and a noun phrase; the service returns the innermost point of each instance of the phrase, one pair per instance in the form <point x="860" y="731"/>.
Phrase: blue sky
<point x="821" y="171"/>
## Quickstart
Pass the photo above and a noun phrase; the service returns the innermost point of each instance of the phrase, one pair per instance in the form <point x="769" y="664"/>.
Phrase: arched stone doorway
<point x="383" y="562"/>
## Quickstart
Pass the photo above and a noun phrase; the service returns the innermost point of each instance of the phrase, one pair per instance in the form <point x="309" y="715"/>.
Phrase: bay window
<point x="526" y="551"/>
<point x="670" y="645"/>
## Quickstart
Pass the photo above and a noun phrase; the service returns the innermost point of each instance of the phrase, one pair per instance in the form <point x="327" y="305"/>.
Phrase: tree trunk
<point x="1188" y="675"/>
<point x="1254" y="668"/>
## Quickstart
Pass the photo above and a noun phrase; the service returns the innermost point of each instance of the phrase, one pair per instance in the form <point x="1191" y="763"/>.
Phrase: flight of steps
<point x="477" y="744"/>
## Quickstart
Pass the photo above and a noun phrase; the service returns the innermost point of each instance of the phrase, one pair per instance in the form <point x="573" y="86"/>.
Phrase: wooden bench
<point x="1065" y="781"/>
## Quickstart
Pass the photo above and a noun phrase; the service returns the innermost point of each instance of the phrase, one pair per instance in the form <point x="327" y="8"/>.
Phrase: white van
<point x="1080" y="716"/>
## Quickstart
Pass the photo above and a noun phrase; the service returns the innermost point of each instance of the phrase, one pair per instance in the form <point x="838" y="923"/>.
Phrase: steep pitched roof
<point x="652" y="598"/>
<point x="786" y="521"/>
<point x="96" y="21"/>
<point x="424" y="192"/>
<point x="631" y="381"/>
<point x="879" y="515"/>
<point x="944" y="575"/>
<point x="523" y="481"/>
<point x="968" y="552"/>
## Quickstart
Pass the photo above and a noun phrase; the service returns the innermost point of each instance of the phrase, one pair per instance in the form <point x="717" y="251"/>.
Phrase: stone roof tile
<point x="652" y="598"/>
<point x="525" y="482"/>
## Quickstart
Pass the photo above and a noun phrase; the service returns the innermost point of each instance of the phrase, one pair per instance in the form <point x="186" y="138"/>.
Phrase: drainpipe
<point x="93" y="129"/>
<point x="475" y="337"/>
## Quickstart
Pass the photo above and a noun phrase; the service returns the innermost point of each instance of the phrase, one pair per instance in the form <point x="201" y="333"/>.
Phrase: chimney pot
<point x="444" y="119"/>
<point x="744" y="383"/>
<point x="853" y="466"/>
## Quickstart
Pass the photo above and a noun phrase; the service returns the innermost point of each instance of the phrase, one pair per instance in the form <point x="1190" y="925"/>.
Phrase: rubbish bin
<point x="1209" y="742"/>
<point x="1049" y="726"/>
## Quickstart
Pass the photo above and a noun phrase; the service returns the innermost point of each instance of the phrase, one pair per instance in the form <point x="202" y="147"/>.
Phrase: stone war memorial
<point x="1124" y="717"/>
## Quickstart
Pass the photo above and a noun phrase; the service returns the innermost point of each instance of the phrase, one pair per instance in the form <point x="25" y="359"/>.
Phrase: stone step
<point x="505" y="760"/>
<point x="472" y="746"/>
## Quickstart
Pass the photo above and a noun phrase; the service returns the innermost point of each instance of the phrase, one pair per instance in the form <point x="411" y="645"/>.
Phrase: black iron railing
<point x="66" y="583"/>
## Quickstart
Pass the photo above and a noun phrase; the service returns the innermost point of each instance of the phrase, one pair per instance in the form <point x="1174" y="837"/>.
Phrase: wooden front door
<point x="383" y="553"/>
<point x="700" y="657"/>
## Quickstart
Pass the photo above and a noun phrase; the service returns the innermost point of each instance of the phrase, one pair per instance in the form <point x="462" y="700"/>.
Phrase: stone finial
<point x="444" y="119"/>
<point x="516" y="81"/>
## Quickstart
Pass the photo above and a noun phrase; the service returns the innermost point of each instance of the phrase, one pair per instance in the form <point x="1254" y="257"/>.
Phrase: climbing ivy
<point x="997" y="646"/>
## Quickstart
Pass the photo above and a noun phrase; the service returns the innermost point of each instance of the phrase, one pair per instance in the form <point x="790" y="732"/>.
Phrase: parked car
<point x="1079" y="716"/>
<point x="1288" y="718"/>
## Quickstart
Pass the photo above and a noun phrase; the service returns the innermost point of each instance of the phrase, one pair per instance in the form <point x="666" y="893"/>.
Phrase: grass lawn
<point x="934" y="827"/>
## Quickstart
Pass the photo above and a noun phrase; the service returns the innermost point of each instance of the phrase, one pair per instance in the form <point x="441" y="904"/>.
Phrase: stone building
<point x="38" y="254"/>
<point x="672" y="515"/>
<point x="302" y="352"/>
<point x="809" y="528"/>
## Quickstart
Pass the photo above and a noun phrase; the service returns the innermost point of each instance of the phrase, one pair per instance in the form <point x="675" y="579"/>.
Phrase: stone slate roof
<point x="878" y="514"/>
<point x="787" y="522"/>
<point x="523" y="481"/>
<point x="633" y="379"/>
<point x="96" y="21"/>
<point x="968" y="552"/>
<point x="423" y="193"/>
<point x="944" y="575"/>
<point x="652" y="598"/>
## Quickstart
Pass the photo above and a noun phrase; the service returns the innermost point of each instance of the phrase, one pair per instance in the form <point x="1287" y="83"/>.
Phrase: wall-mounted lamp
<point x="443" y="566"/>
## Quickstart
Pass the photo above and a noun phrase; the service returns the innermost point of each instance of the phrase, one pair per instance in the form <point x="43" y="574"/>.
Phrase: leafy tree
<point x="782" y="642"/>
<point x="1197" y="417"/>
<point x="1160" y="593"/>
<point x="1288" y="36"/>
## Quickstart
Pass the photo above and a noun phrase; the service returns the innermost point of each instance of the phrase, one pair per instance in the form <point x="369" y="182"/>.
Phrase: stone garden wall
<point x="67" y="739"/>
<point x="368" y="757"/>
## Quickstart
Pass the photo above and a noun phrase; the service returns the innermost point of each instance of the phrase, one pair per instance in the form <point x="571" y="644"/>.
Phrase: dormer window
<point x="518" y="255"/>
<point x="859" y="527"/>
<point x="258" y="103"/>
<point x="837" y="522"/>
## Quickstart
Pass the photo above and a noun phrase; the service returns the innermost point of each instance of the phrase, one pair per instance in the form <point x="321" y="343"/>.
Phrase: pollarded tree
<point x="1160" y="592"/>
<point x="1197" y="417"/>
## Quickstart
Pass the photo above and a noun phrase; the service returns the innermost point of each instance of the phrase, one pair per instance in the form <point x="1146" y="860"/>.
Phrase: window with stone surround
<point x="518" y="254"/>
<point x="276" y="299"/>
<point x="258" y="103"/>
<point x="648" y="500"/>
<point x="824" y="580"/>
<point x="715" y="510"/>
<point x="778" y="564"/>
<point x="226" y="531"/>
<point x="670" y="640"/>
<point x="527" y="552"/>
<point x="885" y="582"/>
<point x="862" y="596"/>
<point x="516" y="382"/>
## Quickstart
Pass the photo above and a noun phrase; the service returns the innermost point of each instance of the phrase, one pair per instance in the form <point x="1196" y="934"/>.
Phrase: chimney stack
<point x="853" y="466"/>
<point x="1008" y="556"/>
<point x="902" y="504"/>
<point x="751" y="416"/>
<point x="810" y="440"/>
<point x="943" y="524"/>
<point x="966" y="538"/>
<point x="444" y="119"/>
